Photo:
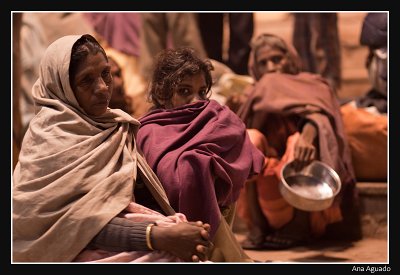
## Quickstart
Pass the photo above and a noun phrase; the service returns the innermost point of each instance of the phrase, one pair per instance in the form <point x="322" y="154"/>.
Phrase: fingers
<point x="303" y="156"/>
<point x="205" y="234"/>
<point x="207" y="227"/>
<point x="201" y="252"/>
<point x="197" y="223"/>
<point x="195" y="258"/>
<point x="312" y="155"/>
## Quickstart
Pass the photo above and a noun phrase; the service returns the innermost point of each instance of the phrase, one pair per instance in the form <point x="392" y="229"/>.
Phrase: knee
<point x="258" y="139"/>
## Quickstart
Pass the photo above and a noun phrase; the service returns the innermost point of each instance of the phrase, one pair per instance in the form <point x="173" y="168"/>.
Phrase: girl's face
<point x="93" y="84"/>
<point x="192" y="88"/>
<point x="270" y="60"/>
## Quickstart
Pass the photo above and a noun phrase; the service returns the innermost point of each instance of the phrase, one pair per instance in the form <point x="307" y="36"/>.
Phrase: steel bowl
<point x="313" y="188"/>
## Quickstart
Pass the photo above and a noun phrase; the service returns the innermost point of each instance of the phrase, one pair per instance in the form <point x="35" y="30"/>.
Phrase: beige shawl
<point x="75" y="172"/>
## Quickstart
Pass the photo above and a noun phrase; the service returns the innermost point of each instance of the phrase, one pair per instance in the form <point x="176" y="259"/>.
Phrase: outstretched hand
<point x="304" y="149"/>
<point x="304" y="153"/>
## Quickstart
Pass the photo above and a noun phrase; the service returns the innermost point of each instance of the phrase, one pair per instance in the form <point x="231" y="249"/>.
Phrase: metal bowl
<point x="312" y="188"/>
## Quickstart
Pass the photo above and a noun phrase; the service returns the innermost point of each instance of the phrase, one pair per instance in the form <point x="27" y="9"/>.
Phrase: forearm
<point x="309" y="132"/>
<point x="121" y="235"/>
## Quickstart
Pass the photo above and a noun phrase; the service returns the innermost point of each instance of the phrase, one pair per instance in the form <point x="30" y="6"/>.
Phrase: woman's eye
<point x="106" y="74"/>
<point x="262" y="62"/>
<point x="86" y="81"/>
<point x="276" y="59"/>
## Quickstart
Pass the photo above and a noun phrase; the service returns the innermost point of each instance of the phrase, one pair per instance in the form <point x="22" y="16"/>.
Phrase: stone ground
<point x="366" y="250"/>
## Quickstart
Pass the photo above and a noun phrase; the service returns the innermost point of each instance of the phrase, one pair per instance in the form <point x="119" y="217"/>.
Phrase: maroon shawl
<point x="309" y="97"/>
<point x="202" y="154"/>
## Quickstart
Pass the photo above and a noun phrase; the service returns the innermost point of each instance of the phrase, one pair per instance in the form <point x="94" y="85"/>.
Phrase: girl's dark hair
<point x="84" y="46"/>
<point x="170" y="68"/>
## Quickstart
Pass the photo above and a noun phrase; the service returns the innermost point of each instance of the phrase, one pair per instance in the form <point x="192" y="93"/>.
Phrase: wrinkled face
<point x="93" y="84"/>
<point x="377" y="70"/>
<point x="192" y="88"/>
<point x="270" y="60"/>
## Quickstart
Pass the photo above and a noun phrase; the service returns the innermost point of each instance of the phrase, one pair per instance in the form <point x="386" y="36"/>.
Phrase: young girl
<point x="199" y="149"/>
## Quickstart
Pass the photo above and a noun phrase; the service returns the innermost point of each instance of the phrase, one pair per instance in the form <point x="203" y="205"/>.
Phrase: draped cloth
<point x="75" y="172"/>
<point x="277" y="97"/>
<point x="202" y="154"/>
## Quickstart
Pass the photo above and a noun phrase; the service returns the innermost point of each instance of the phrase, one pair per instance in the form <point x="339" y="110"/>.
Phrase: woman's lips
<point x="101" y="103"/>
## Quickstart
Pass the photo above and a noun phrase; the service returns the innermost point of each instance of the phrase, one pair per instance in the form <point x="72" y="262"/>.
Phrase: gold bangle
<point x="148" y="236"/>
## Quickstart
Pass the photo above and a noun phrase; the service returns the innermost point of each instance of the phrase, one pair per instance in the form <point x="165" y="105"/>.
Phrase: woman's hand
<point x="188" y="241"/>
<point x="305" y="151"/>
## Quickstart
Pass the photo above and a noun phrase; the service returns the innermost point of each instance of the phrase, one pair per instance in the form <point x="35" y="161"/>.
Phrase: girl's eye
<point x="203" y="93"/>
<point x="184" y="91"/>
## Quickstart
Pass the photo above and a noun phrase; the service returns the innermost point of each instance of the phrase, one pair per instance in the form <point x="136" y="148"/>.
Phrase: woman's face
<point x="270" y="60"/>
<point x="192" y="88"/>
<point x="93" y="84"/>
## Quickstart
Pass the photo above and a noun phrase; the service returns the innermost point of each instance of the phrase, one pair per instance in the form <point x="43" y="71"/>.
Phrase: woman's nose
<point x="101" y="85"/>
<point x="271" y="66"/>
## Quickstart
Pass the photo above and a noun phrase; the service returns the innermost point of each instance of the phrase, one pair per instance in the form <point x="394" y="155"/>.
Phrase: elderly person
<point x="291" y="116"/>
<point x="81" y="190"/>
<point x="199" y="149"/>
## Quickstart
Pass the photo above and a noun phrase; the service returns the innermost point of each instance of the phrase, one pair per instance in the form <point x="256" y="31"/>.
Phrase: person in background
<point x="316" y="39"/>
<point x="81" y="190"/>
<point x="365" y="118"/>
<point x="199" y="149"/>
<point x="119" y="98"/>
<point x="241" y="29"/>
<point x="292" y="116"/>
<point x="167" y="30"/>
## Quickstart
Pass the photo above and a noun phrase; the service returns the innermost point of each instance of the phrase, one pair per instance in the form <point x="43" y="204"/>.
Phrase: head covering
<point x="374" y="30"/>
<point x="265" y="39"/>
<point x="74" y="173"/>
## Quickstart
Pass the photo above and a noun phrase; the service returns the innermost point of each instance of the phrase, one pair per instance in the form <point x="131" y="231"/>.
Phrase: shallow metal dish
<point x="313" y="188"/>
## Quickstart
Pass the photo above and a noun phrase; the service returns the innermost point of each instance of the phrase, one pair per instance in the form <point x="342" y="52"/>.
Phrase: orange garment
<point x="274" y="207"/>
<point x="367" y="134"/>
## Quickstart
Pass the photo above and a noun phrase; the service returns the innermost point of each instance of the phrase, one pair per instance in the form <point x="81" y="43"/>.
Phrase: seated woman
<point x="81" y="190"/>
<point x="291" y="116"/>
<point x="199" y="149"/>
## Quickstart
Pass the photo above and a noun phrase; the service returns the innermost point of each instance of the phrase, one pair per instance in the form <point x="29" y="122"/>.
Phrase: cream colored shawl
<point x="75" y="172"/>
